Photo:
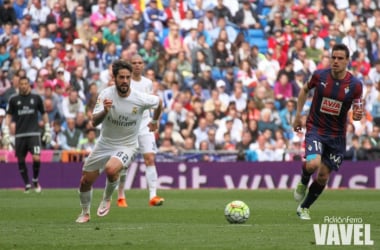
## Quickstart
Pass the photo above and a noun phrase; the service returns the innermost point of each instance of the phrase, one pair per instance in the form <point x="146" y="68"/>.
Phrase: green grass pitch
<point x="189" y="219"/>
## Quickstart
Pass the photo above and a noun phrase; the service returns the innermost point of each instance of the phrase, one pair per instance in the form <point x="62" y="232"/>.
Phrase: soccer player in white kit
<point x="146" y="138"/>
<point x="120" y="110"/>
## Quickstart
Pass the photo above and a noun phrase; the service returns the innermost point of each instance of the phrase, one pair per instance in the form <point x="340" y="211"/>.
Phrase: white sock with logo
<point x="151" y="177"/>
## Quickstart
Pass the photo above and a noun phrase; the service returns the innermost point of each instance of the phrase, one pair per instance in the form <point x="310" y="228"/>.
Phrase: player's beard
<point x="24" y="92"/>
<point x="123" y="90"/>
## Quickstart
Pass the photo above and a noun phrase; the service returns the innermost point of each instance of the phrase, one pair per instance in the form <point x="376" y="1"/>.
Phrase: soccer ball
<point x="236" y="212"/>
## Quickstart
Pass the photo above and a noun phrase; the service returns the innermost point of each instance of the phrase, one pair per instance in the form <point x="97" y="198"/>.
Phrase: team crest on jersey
<point x="134" y="110"/>
<point x="32" y="101"/>
<point x="18" y="102"/>
<point x="309" y="147"/>
<point x="331" y="106"/>
<point x="346" y="89"/>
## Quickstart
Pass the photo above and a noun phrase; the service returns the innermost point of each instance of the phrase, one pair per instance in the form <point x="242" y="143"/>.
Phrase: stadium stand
<point x="116" y="29"/>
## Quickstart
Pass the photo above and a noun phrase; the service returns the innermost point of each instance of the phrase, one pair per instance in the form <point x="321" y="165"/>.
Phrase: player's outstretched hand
<point x="297" y="124"/>
<point x="47" y="134"/>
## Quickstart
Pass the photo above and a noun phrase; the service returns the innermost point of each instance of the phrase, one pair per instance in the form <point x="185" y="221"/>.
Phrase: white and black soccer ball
<point x="236" y="212"/>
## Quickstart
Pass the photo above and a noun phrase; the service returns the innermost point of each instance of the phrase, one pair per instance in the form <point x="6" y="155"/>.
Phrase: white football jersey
<point x="123" y="121"/>
<point x="145" y="85"/>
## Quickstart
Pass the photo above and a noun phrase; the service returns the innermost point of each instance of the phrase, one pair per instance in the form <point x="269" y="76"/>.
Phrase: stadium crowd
<point x="228" y="71"/>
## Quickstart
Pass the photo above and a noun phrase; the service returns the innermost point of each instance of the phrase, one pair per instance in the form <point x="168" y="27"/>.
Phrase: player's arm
<point x="46" y="137"/>
<point x="357" y="113"/>
<point x="98" y="117"/>
<point x="45" y="118"/>
<point x="5" y="130"/>
<point x="7" y="120"/>
<point x="358" y="109"/>
<point x="358" y="104"/>
<point x="153" y="125"/>
<point x="302" y="97"/>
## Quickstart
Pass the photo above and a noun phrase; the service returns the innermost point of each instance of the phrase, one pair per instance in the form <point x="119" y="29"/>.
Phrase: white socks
<point x="108" y="190"/>
<point x="85" y="201"/>
<point x="151" y="177"/>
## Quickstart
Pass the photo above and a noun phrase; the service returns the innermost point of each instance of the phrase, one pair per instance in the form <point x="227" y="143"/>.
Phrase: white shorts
<point x="102" y="153"/>
<point x="147" y="143"/>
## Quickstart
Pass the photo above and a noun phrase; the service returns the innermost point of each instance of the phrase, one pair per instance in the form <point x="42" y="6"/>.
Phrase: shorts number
<point x="36" y="150"/>
<point x="123" y="157"/>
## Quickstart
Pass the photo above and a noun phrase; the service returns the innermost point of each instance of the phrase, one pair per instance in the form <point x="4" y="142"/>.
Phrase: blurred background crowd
<point x="228" y="71"/>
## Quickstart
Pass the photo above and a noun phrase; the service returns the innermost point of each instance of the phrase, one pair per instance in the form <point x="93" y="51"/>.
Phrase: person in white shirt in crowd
<point x="72" y="104"/>
<point x="38" y="13"/>
<point x="370" y="94"/>
<point x="239" y="97"/>
<point x="269" y="67"/>
<point x="177" y="114"/>
<point x="223" y="96"/>
<point x="200" y="132"/>
<point x="263" y="149"/>
<point x="374" y="72"/>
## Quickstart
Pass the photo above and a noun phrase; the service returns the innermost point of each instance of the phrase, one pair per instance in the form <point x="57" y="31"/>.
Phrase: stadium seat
<point x="265" y="11"/>
<point x="263" y="22"/>
<point x="261" y="43"/>
<point x="256" y="33"/>
<point x="163" y="35"/>
<point x="216" y="73"/>
<point x="164" y="118"/>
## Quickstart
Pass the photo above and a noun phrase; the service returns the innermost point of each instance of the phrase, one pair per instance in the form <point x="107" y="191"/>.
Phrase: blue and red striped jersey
<point x="331" y="102"/>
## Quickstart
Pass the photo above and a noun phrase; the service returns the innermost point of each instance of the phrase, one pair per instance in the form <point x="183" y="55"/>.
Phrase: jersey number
<point x="318" y="146"/>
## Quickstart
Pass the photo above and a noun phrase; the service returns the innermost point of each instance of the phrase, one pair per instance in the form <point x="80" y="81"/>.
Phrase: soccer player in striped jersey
<point x="335" y="90"/>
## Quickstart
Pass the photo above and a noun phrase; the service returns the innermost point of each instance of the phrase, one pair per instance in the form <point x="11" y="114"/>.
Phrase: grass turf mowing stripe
<point x="189" y="219"/>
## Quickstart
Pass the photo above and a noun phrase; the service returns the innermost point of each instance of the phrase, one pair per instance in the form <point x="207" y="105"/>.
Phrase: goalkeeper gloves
<point x="6" y="136"/>
<point x="47" y="134"/>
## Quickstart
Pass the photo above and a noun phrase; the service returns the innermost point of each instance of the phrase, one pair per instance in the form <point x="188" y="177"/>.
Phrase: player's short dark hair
<point x="118" y="65"/>
<point x="341" y="46"/>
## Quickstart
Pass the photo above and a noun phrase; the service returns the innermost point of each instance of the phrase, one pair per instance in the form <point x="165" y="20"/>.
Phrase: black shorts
<point x="30" y="144"/>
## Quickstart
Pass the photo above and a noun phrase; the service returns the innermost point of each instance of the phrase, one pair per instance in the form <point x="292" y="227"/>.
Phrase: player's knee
<point x="36" y="158"/>
<point x="149" y="162"/>
<point x="311" y="166"/>
<point x="85" y="184"/>
<point x="111" y="171"/>
<point x="322" y="179"/>
<point x="149" y="159"/>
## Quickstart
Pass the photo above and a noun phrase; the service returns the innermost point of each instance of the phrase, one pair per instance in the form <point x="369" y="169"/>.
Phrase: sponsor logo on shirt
<point x="331" y="106"/>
